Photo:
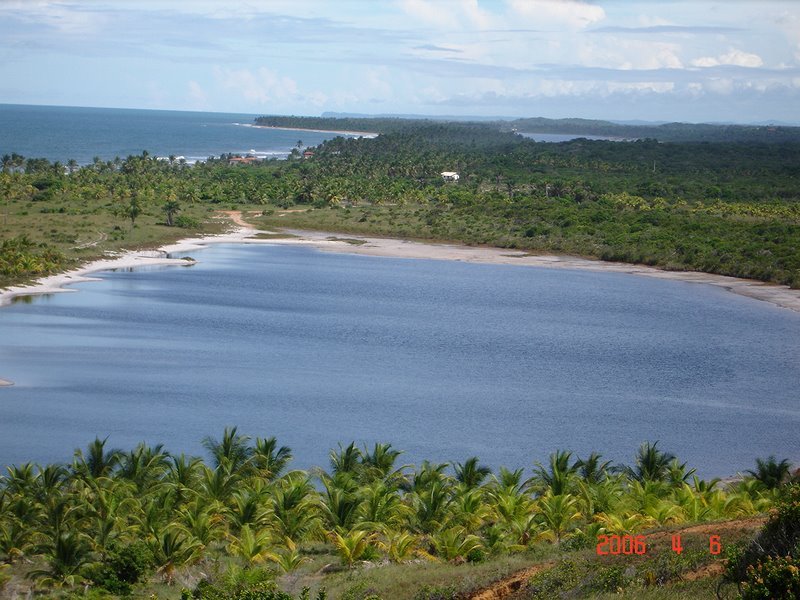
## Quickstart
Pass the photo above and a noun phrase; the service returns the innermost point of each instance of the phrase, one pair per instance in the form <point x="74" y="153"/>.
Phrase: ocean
<point x="60" y="133"/>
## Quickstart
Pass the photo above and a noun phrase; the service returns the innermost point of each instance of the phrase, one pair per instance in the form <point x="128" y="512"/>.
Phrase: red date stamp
<point x="628" y="545"/>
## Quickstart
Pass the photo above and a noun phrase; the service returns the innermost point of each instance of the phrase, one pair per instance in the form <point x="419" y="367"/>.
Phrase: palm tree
<point x="250" y="545"/>
<point x="624" y="524"/>
<point x="431" y="507"/>
<point x="557" y="512"/>
<point x="381" y="506"/>
<point x="203" y="524"/>
<point x="591" y="469"/>
<point x="771" y="473"/>
<point x="294" y="508"/>
<point x="455" y="544"/>
<point x="510" y="480"/>
<point x="233" y="449"/>
<point x="50" y="481"/>
<point x="470" y="509"/>
<point x="677" y="473"/>
<point x="558" y="476"/>
<point x="171" y="208"/>
<point x="144" y="466"/>
<point x="20" y="479"/>
<point x="173" y="548"/>
<point x="470" y="473"/>
<point x="427" y="474"/>
<point x="107" y="505"/>
<point x="97" y="462"/>
<point x="183" y="473"/>
<point x="132" y="208"/>
<point x="247" y="510"/>
<point x="66" y="554"/>
<point x="401" y="546"/>
<point x="217" y="485"/>
<point x="380" y="462"/>
<point x="268" y="460"/>
<point x="351" y="545"/>
<point x="651" y="463"/>
<point x="346" y="460"/>
<point x="17" y="533"/>
<point x="287" y="557"/>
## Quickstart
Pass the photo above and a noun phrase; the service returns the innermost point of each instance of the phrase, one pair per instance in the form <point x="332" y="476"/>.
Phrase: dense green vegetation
<point x="145" y="519"/>
<point x="668" y="132"/>
<point x="730" y="208"/>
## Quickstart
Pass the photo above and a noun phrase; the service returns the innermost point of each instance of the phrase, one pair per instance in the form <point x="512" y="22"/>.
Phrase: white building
<point x="449" y="175"/>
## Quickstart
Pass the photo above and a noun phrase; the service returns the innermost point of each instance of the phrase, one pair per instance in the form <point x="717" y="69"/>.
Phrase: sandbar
<point x="364" y="134"/>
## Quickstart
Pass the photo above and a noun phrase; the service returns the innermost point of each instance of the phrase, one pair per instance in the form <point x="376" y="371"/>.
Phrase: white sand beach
<point x="779" y="295"/>
<point x="364" y="134"/>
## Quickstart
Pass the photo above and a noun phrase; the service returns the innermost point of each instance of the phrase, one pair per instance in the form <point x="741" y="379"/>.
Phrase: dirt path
<point x="236" y="217"/>
<point x="509" y="585"/>
<point x="719" y="528"/>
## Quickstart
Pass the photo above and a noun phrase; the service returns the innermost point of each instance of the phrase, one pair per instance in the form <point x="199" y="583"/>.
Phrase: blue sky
<point x="727" y="60"/>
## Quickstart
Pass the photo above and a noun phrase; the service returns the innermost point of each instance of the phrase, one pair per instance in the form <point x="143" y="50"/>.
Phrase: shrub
<point x="550" y="583"/>
<point x="430" y="592"/>
<point x="775" y="578"/>
<point x="360" y="591"/>
<point x="186" y="222"/>
<point x="258" y="591"/>
<point x="610" y="579"/>
<point x="780" y="537"/>
<point x="123" y="567"/>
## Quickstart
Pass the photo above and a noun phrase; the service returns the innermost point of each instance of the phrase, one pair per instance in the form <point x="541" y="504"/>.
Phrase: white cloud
<point x="546" y="13"/>
<point x="719" y="86"/>
<point x="448" y="14"/>
<point x="259" y="86"/>
<point x="198" y="99"/>
<point x="630" y="54"/>
<point x="732" y="57"/>
<point x="56" y="15"/>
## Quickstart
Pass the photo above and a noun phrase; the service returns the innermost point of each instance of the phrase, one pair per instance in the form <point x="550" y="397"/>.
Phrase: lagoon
<point x="443" y="359"/>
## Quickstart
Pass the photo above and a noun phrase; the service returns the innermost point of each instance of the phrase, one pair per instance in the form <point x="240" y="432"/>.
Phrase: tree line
<point x="114" y="518"/>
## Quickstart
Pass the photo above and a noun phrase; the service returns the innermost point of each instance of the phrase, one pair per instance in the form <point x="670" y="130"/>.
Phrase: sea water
<point x="445" y="360"/>
<point x="60" y="133"/>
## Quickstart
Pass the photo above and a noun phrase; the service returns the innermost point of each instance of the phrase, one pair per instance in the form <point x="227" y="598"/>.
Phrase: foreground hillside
<point x="241" y="525"/>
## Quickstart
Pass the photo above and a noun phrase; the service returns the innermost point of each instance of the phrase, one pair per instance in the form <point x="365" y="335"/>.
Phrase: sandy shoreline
<point x="366" y="134"/>
<point x="125" y="260"/>
<point x="778" y="295"/>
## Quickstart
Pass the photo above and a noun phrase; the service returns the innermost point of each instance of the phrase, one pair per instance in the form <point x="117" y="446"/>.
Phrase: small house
<point x="449" y="175"/>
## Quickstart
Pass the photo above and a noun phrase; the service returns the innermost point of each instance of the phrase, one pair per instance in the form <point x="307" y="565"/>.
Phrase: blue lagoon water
<point x="60" y="133"/>
<point x="445" y="360"/>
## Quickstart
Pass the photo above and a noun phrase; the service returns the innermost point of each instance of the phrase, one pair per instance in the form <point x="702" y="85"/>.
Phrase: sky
<point x="667" y="60"/>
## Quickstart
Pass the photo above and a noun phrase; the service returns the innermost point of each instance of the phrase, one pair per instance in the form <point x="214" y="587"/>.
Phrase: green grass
<point x="402" y="581"/>
<point x="351" y="241"/>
